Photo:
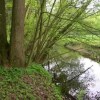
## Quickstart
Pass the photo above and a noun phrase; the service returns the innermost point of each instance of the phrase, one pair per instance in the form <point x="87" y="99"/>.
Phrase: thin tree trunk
<point x="17" y="56"/>
<point x="3" y="35"/>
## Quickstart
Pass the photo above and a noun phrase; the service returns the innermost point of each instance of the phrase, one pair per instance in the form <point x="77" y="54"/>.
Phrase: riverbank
<point x="32" y="83"/>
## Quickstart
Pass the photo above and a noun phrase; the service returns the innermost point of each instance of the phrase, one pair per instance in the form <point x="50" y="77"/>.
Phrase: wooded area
<point x="51" y="31"/>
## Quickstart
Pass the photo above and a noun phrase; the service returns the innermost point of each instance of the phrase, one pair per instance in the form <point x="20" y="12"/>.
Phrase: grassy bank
<point x="32" y="83"/>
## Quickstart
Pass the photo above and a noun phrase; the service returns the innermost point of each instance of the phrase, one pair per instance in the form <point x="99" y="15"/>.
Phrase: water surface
<point x="95" y="71"/>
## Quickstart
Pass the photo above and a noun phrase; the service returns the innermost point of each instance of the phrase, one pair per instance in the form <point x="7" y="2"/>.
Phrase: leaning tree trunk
<point x="3" y="35"/>
<point x="17" y="57"/>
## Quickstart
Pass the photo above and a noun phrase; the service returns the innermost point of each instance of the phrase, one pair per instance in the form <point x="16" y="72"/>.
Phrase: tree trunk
<point x="17" y="56"/>
<point x="3" y="35"/>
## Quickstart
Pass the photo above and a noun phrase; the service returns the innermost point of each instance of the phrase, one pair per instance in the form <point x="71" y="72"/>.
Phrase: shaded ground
<point x="33" y="83"/>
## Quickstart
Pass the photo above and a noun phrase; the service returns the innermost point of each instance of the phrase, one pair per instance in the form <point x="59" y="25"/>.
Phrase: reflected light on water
<point x="95" y="70"/>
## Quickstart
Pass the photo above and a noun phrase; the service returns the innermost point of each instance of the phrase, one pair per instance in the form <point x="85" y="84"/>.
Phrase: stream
<point x="94" y="71"/>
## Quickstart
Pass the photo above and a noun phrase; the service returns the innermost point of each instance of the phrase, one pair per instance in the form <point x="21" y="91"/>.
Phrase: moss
<point x="32" y="83"/>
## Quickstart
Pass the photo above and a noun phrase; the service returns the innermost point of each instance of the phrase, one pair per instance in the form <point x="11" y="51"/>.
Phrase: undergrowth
<point x="31" y="83"/>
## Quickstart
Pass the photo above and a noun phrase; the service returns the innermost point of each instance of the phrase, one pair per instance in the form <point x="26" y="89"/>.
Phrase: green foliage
<point x="12" y="85"/>
<point x="57" y="92"/>
<point x="81" y="95"/>
<point x="36" y="68"/>
<point x="32" y="83"/>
